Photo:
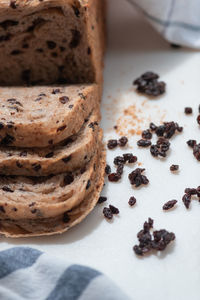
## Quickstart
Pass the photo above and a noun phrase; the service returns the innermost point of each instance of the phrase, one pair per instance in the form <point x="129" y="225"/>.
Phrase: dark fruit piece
<point x="170" y="204"/>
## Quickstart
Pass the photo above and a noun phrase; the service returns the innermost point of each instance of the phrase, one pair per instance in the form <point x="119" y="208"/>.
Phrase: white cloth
<point x="177" y="20"/>
<point x="29" y="274"/>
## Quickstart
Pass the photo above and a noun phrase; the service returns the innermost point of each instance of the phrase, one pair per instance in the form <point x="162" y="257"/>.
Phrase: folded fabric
<point x="27" y="273"/>
<point x="177" y="20"/>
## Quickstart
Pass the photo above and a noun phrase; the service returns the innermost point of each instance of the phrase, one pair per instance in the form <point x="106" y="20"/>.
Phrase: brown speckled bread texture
<point x="44" y="197"/>
<point x="52" y="160"/>
<point x="43" y="116"/>
<point x="61" y="222"/>
<point x="51" y="41"/>
<point x="67" y="156"/>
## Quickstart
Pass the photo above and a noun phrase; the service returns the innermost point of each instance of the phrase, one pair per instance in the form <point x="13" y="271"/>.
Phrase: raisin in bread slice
<point x="44" y="42"/>
<point x="43" y="116"/>
<point x="60" y="223"/>
<point x="33" y="197"/>
<point x="66" y="156"/>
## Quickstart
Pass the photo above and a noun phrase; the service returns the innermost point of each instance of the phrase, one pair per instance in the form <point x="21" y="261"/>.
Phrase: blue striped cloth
<point x="177" y="20"/>
<point x="27" y="273"/>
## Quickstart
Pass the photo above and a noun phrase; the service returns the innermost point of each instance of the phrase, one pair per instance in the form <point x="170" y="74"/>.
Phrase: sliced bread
<point x="60" y="223"/>
<point x="44" y="197"/>
<point x="43" y="116"/>
<point x="66" y="156"/>
<point x="49" y="41"/>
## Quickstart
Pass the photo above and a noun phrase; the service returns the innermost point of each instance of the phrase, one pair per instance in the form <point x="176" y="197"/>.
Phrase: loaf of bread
<point x="51" y="41"/>
<point x="52" y="160"/>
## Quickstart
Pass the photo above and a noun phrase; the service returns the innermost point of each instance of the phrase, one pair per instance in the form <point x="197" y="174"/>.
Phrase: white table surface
<point x="133" y="48"/>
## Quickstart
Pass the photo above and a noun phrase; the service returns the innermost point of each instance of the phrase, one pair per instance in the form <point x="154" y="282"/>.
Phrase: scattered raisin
<point x="120" y="169"/>
<point x="118" y="160"/>
<point x="143" y="143"/>
<point x="157" y="241"/>
<point x="132" y="201"/>
<point x="161" y="147"/>
<point x="130" y="158"/>
<point x="146" y="134"/>
<point x="114" y="177"/>
<point x="170" y="129"/>
<point x="174" y="168"/>
<point x="169" y="204"/>
<point x="152" y="126"/>
<point x="123" y="141"/>
<point x="188" y="110"/>
<point x="196" y="151"/>
<point x="136" y="178"/>
<point x="107" y="169"/>
<point x="154" y="150"/>
<point x="198" y="119"/>
<point x="114" y="210"/>
<point x="102" y="199"/>
<point x="186" y="200"/>
<point x="160" y="130"/>
<point x="112" y="144"/>
<point x="107" y="213"/>
<point x="191" y="143"/>
<point x="148" y="84"/>
<point x="191" y="191"/>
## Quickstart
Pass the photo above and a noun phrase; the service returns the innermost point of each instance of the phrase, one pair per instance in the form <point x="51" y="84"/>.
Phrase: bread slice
<point x="44" y="197"/>
<point x="51" y="41"/>
<point x="44" y="116"/>
<point x="60" y="223"/>
<point x="67" y="156"/>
